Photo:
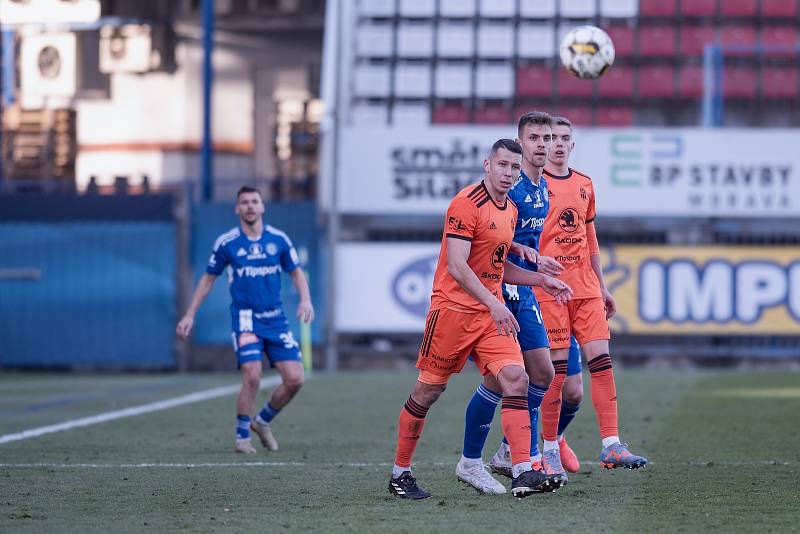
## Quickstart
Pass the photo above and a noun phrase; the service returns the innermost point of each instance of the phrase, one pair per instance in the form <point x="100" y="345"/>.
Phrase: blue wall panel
<point x="106" y="296"/>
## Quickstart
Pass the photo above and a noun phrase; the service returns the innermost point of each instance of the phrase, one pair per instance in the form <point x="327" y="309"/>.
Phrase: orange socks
<point x="409" y="429"/>
<point x="604" y="395"/>
<point x="517" y="427"/>
<point x="551" y="404"/>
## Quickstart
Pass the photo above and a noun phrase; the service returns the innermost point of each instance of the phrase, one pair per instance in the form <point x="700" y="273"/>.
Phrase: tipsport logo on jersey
<point x="704" y="290"/>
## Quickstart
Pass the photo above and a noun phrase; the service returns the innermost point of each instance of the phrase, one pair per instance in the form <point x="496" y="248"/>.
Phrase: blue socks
<point x="242" y="427"/>
<point x="478" y="420"/>
<point x="568" y="411"/>
<point x="535" y="396"/>
<point x="267" y="413"/>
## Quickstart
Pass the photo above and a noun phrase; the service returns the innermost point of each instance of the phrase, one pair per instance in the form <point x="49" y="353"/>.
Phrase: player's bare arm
<point x="200" y="293"/>
<point x="305" y="309"/>
<point x="525" y="252"/>
<point x="459" y="269"/>
<point x="544" y="264"/>
<point x="516" y="275"/>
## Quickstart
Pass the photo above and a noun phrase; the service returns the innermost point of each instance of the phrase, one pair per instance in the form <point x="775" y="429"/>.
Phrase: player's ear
<point x="486" y="165"/>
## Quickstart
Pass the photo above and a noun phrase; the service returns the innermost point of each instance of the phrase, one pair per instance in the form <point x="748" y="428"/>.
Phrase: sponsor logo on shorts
<point x="247" y="338"/>
<point x="442" y="363"/>
<point x="558" y="335"/>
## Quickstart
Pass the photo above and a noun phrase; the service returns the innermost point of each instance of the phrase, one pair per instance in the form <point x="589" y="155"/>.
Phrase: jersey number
<point x="536" y="311"/>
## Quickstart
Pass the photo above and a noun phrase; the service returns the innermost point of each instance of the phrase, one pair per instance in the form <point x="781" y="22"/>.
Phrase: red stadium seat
<point x="739" y="82"/>
<point x="657" y="81"/>
<point x="699" y="8"/>
<point x="739" y="8"/>
<point x="739" y="40"/>
<point x="450" y="114"/>
<point x="779" y="41"/>
<point x="569" y="85"/>
<point x="623" y="39"/>
<point x="657" y="8"/>
<point x="690" y="82"/>
<point x="492" y="115"/>
<point x="779" y="82"/>
<point x="614" y="116"/>
<point x="694" y="38"/>
<point x="778" y="8"/>
<point x="657" y="41"/>
<point x="535" y="80"/>
<point x="617" y="83"/>
<point x="577" y="115"/>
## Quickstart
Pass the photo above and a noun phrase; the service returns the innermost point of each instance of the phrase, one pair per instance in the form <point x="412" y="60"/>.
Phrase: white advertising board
<point x="636" y="172"/>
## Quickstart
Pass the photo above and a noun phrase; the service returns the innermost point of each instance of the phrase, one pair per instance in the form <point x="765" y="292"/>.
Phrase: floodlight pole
<point x="207" y="153"/>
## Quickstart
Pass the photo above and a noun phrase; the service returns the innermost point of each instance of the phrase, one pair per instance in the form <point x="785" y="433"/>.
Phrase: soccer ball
<point x="587" y="52"/>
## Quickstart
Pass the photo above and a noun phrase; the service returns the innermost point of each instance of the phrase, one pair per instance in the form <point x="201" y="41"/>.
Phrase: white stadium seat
<point x="453" y="81"/>
<point x="619" y="8"/>
<point x="536" y="41"/>
<point x="498" y="8"/>
<point x="496" y="40"/>
<point x="455" y="40"/>
<point x="414" y="40"/>
<point x="457" y="8"/>
<point x="375" y="40"/>
<point x="577" y="8"/>
<point x="411" y="114"/>
<point x="493" y="80"/>
<point x="372" y="81"/>
<point x="376" y="8"/>
<point x="537" y="9"/>
<point x="412" y="80"/>
<point x="365" y="114"/>
<point x="417" y="8"/>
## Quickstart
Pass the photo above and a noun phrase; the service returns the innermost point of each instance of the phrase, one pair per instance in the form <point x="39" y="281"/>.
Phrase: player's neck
<point x="253" y="231"/>
<point x="534" y="174"/>
<point x="558" y="170"/>
<point x="497" y="196"/>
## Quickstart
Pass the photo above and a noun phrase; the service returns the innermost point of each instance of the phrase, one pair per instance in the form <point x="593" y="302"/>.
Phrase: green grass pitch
<point x="724" y="450"/>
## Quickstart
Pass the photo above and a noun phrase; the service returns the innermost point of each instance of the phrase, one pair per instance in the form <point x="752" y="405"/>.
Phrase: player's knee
<point x="251" y="380"/>
<point x="294" y="382"/>
<point x="573" y="392"/>
<point x="513" y="380"/>
<point x="542" y="376"/>
<point x="427" y="394"/>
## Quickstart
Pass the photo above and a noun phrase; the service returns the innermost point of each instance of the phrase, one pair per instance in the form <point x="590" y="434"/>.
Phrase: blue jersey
<point x="254" y="270"/>
<point x="532" y="203"/>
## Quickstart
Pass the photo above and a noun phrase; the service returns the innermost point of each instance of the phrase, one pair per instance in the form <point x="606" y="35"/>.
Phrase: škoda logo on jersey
<point x="568" y="220"/>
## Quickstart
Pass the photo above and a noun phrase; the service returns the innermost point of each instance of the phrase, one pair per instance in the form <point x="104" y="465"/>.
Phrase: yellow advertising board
<point x="704" y="289"/>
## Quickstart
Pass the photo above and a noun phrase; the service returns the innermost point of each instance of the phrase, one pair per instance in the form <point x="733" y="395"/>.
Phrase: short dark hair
<point x="533" y="117"/>
<point x="508" y="144"/>
<point x="247" y="189"/>
<point x="562" y="121"/>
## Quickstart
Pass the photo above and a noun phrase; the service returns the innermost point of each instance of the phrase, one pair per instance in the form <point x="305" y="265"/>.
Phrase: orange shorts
<point x="583" y="318"/>
<point x="451" y="336"/>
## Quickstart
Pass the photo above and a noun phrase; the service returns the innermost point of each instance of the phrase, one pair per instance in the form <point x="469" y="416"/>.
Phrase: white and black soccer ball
<point x="587" y="52"/>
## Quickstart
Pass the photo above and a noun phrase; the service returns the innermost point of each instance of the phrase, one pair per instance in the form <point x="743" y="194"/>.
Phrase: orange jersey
<point x="564" y="233"/>
<point x="473" y="216"/>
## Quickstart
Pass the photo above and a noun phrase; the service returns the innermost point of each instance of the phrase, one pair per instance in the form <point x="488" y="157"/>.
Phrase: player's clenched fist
<point x="558" y="289"/>
<point x="185" y="326"/>
<point x="507" y="324"/>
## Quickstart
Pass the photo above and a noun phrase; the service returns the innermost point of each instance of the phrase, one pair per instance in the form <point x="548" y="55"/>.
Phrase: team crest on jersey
<point x="584" y="195"/>
<point x="272" y="249"/>
<point x="256" y="252"/>
<point x="538" y="203"/>
<point x="241" y="252"/>
<point x="499" y="256"/>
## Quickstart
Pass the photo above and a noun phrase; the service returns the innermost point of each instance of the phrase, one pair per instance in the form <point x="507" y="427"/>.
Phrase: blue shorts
<point x="532" y="334"/>
<point x="574" y="362"/>
<point x="252" y="338"/>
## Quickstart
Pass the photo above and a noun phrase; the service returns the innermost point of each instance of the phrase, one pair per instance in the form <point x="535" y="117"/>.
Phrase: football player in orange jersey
<point x="569" y="236"/>
<point x="467" y="316"/>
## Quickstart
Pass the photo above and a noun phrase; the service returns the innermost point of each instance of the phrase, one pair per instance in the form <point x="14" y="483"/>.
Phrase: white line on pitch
<point x="133" y="410"/>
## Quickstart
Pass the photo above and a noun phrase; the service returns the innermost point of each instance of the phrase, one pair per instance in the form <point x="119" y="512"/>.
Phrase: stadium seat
<point x="455" y="40"/>
<point x="376" y="8"/>
<point x="694" y="38"/>
<point x="616" y="83"/>
<point x="417" y="8"/>
<point x="614" y="116"/>
<point x="375" y="40"/>
<point x="738" y="40"/>
<point x="656" y="81"/>
<point x="412" y="80"/>
<point x="536" y="41"/>
<point x="779" y="82"/>
<point x="453" y="80"/>
<point x="372" y="81"/>
<point x="536" y="80"/>
<point x="495" y="40"/>
<point x="619" y="8"/>
<point x="623" y="39"/>
<point x="656" y="41"/>
<point x="492" y="115"/>
<point x="497" y="8"/>
<point x="369" y="114"/>
<point x="778" y="41"/>
<point x="778" y="8"/>
<point x="657" y="8"/>
<point x="690" y="82"/>
<point x="699" y="8"/>
<point x="415" y="40"/>
<point x="577" y="115"/>
<point x="739" y="82"/>
<point x="458" y="8"/>
<point x="450" y="114"/>
<point x="411" y="114"/>
<point x="577" y="9"/>
<point x="569" y="85"/>
<point x="494" y="80"/>
<point x="537" y="9"/>
<point x="738" y="8"/>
